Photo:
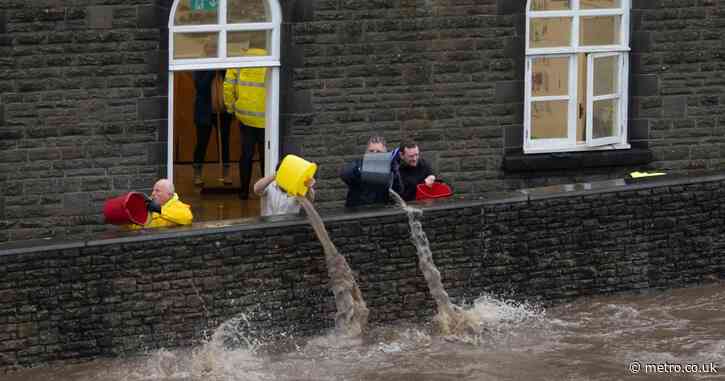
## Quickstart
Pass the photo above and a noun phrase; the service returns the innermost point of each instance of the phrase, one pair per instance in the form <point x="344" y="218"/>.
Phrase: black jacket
<point x="412" y="176"/>
<point x="360" y="193"/>
<point x="202" y="101"/>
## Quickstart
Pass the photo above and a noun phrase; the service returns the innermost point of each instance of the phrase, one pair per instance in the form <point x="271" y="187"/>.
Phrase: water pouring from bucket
<point x="451" y="319"/>
<point x="352" y="313"/>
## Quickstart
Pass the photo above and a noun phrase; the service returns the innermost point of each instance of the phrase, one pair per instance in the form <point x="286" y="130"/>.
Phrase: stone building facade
<point x="84" y="95"/>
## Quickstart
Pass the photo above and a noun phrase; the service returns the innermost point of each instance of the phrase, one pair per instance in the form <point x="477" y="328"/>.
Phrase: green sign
<point x="204" y="5"/>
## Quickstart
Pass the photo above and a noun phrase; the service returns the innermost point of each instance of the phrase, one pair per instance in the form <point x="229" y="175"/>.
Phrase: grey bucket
<point x="376" y="169"/>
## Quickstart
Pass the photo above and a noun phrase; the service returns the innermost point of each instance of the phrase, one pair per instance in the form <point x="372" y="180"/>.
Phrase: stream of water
<point x="451" y="320"/>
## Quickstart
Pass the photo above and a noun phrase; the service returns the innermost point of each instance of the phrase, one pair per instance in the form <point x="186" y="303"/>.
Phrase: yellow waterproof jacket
<point x="245" y="92"/>
<point x="173" y="213"/>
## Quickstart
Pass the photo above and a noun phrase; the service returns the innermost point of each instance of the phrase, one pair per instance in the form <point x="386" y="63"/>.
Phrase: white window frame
<point x="222" y="61"/>
<point x="569" y="144"/>
<point x="591" y="98"/>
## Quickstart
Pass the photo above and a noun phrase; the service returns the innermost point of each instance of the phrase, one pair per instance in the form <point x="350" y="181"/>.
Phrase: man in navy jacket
<point x="362" y="193"/>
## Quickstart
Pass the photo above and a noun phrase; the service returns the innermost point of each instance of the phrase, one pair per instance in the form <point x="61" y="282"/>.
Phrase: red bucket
<point x="127" y="209"/>
<point x="438" y="190"/>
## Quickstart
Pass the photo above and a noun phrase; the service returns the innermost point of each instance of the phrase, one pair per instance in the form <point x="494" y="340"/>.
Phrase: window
<point x="215" y="34"/>
<point x="577" y="60"/>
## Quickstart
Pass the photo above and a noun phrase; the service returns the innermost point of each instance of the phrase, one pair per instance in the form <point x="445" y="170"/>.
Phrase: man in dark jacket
<point x="362" y="193"/>
<point x="414" y="170"/>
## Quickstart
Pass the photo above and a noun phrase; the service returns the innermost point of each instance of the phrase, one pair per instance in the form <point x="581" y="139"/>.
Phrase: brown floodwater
<point x="450" y="319"/>
<point x="351" y="318"/>
<point x="602" y="338"/>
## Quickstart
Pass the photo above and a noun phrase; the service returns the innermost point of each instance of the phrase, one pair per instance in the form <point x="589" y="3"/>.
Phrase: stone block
<point x="89" y="184"/>
<point x="100" y="17"/>
<point x="513" y="136"/>
<point x="644" y="85"/>
<point x="300" y="102"/>
<point x="148" y="17"/>
<point x="674" y="107"/>
<point x="79" y="203"/>
<point x="509" y="92"/>
<point x="152" y="108"/>
<point x="509" y="7"/>
<point x="299" y="11"/>
<point x="646" y="4"/>
<point x="638" y="129"/>
<point x="156" y="153"/>
<point x="641" y="42"/>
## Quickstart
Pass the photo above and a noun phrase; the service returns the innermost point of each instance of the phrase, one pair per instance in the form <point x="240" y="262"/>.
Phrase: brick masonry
<point x="77" y="300"/>
<point x="84" y="96"/>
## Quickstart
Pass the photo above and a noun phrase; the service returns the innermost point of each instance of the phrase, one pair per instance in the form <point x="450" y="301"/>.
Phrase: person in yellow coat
<point x="165" y="208"/>
<point x="244" y="96"/>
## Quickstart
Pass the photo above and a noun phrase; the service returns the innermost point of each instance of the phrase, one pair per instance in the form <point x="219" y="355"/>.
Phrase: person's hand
<point x="430" y="180"/>
<point x="309" y="183"/>
<point x="152" y="205"/>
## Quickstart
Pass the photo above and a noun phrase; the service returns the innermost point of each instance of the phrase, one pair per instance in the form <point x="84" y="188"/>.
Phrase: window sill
<point x="517" y="161"/>
<point x="582" y="148"/>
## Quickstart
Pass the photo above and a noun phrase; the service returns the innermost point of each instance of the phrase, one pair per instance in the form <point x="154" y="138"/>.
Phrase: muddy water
<point x="450" y="319"/>
<point x="352" y="313"/>
<point x="596" y="339"/>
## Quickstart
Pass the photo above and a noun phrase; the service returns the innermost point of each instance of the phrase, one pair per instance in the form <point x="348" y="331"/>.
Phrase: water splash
<point x="450" y="319"/>
<point x="352" y="313"/>
<point x="228" y="354"/>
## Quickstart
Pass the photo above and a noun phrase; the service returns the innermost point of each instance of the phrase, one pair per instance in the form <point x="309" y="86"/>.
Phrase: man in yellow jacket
<point x="244" y="96"/>
<point x="165" y="208"/>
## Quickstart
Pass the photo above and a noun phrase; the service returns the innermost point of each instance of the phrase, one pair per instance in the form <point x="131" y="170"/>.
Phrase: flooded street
<point x="597" y="339"/>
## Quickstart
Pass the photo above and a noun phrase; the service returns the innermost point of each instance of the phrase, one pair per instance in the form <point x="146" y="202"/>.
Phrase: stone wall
<point x="84" y="96"/>
<point x="76" y="300"/>
<point x="82" y="112"/>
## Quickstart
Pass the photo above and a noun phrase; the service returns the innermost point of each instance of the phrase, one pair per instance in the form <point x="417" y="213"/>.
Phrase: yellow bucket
<point x="293" y="173"/>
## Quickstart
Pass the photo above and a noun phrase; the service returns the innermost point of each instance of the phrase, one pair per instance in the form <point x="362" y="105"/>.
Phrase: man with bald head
<point x="165" y="208"/>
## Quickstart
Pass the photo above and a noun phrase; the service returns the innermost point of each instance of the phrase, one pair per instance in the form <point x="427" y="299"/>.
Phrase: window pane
<point x="550" y="32"/>
<point x="599" y="30"/>
<point x="238" y="43"/>
<point x="549" y="119"/>
<point x="196" y="12"/>
<point x="606" y="74"/>
<point x="550" y="5"/>
<point x="550" y="76"/>
<point x="240" y="11"/>
<point x="195" y="45"/>
<point x="604" y="118"/>
<point x="597" y="4"/>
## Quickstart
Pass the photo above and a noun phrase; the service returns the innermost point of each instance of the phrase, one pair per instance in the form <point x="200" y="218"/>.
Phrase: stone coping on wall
<point x="236" y="225"/>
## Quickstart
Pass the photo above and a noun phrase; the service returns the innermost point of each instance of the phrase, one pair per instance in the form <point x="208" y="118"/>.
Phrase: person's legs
<point x="245" y="163"/>
<point x="259" y="143"/>
<point x="202" y="140"/>
<point x="226" y="120"/>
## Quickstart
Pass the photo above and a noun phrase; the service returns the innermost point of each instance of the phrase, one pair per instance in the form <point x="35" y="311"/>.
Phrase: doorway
<point x="223" y="36"/>
<point x="206" y="173"/>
